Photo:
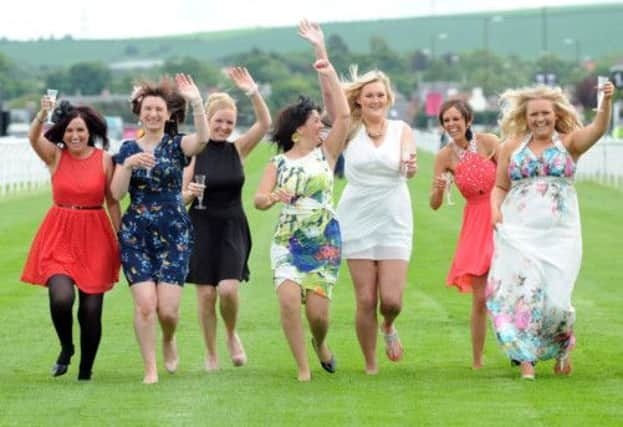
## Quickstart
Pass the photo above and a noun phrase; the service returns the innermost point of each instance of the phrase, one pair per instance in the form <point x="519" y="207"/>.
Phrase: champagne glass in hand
<point x="449" y="179"/>
<point x="601" y="81"/>
<point x="201" y="180"/>
<point x="51" y="94"/>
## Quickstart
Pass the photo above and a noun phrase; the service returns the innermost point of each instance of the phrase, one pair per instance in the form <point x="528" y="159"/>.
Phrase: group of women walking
<point x="501" y="256"/>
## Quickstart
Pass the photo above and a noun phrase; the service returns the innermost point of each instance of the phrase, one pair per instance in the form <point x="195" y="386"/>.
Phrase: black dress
<point x="221" y="232"/>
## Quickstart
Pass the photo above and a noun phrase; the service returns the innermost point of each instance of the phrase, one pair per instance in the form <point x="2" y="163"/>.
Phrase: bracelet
<point x="501" y="188"/>
<point x="252" y="91"/>
<point x="197" y="104"/>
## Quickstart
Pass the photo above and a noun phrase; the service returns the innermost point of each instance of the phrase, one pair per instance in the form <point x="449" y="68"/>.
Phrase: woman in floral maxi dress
<point x="537" y="241"/>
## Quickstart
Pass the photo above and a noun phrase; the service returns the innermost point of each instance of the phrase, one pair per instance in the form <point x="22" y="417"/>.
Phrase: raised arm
<point x="193" y="144"/>
<point x="334" y="143"/>
<point x="582" y="139"/>
<point x="42" y="146"/>
<point x="313" y="33"/>
<point x="247" y="142"/>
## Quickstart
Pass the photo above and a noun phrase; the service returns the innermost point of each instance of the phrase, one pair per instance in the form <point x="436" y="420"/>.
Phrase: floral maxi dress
<point x="307" y="244"/>
<point x="537" y="255"/>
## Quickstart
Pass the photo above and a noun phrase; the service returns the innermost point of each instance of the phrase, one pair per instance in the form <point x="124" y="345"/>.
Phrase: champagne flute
<point x="51" y="94"/>
<point x="407" y="153"/>
<point x="449" y="180"/>
<point x="200" y="179"/>
<point x="601" y="81"/>
<point x="148" y="170"/>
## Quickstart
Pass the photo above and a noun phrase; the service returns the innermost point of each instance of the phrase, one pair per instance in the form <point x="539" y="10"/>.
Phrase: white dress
<point x="375" y="208"/>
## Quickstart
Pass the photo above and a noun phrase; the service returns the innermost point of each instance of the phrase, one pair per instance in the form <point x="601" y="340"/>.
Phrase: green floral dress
<point x="307" y="244"/>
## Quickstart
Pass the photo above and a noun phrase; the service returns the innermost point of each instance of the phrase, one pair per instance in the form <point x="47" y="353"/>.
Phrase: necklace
<point x="378" y="133"/>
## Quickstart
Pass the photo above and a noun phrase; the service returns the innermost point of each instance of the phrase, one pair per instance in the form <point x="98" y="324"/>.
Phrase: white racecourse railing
<point x="603" y="163"/>
<point x="21" y="169"/>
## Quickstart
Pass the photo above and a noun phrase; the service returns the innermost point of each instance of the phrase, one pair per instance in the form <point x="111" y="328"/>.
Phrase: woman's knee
<point x="391" y="306"/>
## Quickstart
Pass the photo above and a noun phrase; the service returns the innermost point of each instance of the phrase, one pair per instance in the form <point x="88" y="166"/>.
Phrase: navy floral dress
<point x="156" y="233"/>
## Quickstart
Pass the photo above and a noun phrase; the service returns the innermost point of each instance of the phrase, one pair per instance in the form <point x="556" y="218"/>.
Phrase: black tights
<point x="61" y="291"/>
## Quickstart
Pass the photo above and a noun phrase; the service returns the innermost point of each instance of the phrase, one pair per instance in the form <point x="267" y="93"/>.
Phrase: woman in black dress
<point x="222" y="239"/>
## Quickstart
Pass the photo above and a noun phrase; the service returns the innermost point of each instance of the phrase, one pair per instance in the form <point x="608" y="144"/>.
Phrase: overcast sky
<point x="28" y="19"/>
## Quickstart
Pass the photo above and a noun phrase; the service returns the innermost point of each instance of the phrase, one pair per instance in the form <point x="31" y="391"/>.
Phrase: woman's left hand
<point x="187" y="88"/>
<point x="311" y="32"/>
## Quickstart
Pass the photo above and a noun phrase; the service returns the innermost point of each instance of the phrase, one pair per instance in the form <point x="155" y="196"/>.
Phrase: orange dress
<point x="76" y="237"/>
<point x="474" y="177"/>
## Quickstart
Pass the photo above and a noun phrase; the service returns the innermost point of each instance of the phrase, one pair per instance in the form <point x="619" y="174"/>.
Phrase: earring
<point x="296" y="137"/>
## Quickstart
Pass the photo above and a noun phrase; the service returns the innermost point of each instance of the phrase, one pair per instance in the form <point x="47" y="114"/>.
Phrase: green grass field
<point x="520" y="33"/>
<point x="433" y="385"/>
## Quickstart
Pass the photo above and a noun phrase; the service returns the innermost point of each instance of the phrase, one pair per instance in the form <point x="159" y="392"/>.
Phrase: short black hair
<point x="289" y="119"/>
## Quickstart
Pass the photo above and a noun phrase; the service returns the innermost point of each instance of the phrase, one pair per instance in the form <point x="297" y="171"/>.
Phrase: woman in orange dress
<point x="75" y="245"/>
<point x="471" y="158"/>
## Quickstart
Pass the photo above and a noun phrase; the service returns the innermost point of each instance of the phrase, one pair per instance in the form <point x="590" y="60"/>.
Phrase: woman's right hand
<point x="47" y="104"/>
<point x="141" y="160"/>
<point x="195" y="189"/>
<point x="496" y="217"/>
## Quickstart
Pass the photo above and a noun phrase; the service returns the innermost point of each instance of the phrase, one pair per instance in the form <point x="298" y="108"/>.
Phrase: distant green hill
<point x="526" y="33"/>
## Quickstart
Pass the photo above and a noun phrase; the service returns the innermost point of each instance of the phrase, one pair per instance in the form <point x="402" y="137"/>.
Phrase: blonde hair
<point x="353" y="89"/>
<point x="219" y="101"/>
<point x="513" y="108"/>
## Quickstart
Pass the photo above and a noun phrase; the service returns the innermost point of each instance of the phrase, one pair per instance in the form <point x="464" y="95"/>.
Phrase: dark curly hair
<point x="176" y="104"/>
<point x="462" y="107"/>
<point x="64" y="113"/>
<point x="289" y="119"/>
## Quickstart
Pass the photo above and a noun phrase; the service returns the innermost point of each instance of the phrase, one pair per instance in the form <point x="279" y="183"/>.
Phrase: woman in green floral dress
<point x="306" y="248"/>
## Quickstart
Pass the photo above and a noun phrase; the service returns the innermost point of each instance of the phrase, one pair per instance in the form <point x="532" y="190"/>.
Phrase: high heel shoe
<point x="63" y="361"/>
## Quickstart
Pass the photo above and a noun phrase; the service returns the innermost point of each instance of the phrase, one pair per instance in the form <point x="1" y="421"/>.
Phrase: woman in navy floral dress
<point x="155" y="234"/>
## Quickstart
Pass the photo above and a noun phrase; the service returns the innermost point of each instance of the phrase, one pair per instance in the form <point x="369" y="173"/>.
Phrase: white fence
<point x="603" y="163"/>
<point x="21" y="169"/>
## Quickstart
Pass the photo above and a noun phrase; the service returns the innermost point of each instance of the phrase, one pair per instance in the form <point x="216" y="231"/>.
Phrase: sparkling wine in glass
<point x="449" y="180"/>
<point x="148" y="170"/>
<point x="51" y="94"/>
<point x="601" y="81"/>
<point x="200" y="179"/>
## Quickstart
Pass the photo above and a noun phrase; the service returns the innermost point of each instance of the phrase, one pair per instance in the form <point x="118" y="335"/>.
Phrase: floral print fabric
<point x="537" y="256"/>
<point x="306" y="247"/>
<point x="156" y="233"/>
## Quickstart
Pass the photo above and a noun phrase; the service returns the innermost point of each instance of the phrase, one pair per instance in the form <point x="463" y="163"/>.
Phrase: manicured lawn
<point x="433" y="385"/>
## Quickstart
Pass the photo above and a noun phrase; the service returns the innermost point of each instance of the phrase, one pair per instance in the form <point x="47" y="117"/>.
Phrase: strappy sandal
<point x="563" y="366"/>
<point x="393" y="346"/>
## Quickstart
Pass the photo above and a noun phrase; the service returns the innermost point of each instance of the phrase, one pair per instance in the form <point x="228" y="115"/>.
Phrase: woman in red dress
<point x="75" y="245"/>
<point x="471" y="158"/>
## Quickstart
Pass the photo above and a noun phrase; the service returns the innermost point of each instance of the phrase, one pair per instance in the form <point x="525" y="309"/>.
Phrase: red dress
<point x="72" y="240"/>
<point x="474" y="177"/>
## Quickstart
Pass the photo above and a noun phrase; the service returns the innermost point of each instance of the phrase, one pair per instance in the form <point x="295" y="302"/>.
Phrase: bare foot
<point x="211" y="363"/>
<point x="236" y="350"/>
<point x="477" y="365"/>
<point x="372" y="370"/>
<point x="169" y="351"/>
<point x="304" y="376"/>
<point x="150" y="379"/>
<point x="527" y="371"/>
<point x="563" y="366"/>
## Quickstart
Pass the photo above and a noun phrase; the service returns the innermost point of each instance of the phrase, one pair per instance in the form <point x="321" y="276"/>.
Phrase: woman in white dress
<point x="375" y="207"/>
<point x="538" y="240"/>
